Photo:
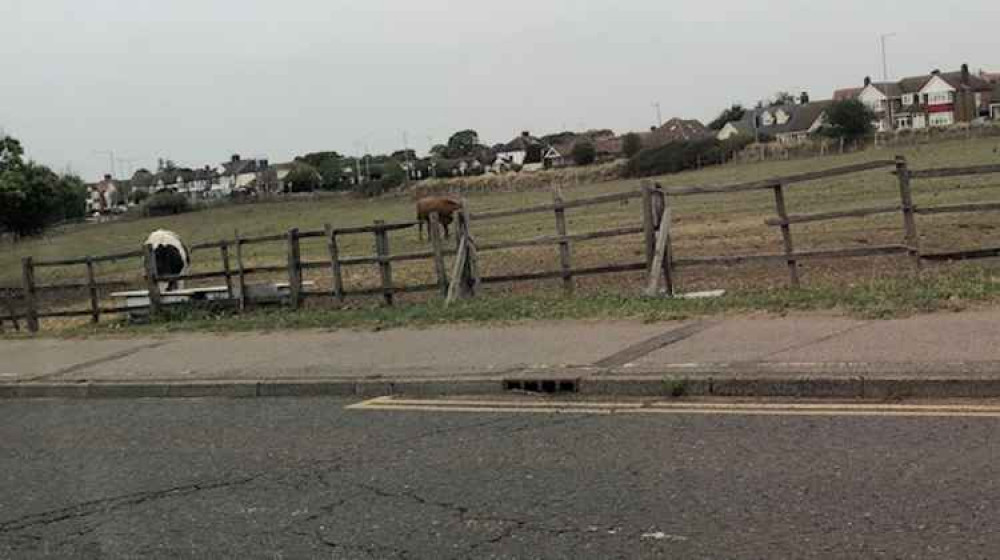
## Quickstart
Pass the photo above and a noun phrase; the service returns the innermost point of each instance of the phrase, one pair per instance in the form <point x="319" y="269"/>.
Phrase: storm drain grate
<point x="550" y="386"/>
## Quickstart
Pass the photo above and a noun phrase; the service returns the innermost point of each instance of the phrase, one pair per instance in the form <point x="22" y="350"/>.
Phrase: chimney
<point x="804" y="98"/>
<point x="525" y="133"/>
<point x="868" y="81"/>
<point x="107" y="176"/>
<point x="965" y="74"/>
<point x="235" y="158"/>
<point x="935" y="72"/>
<point x="652" y="129"/>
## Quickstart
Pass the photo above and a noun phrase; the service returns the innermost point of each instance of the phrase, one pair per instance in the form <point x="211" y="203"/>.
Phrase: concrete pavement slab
<point x="749" y="340"/>
<point x="938" y="338"/>
<point x="35" y="358"/>
<point x="414" y="353"/>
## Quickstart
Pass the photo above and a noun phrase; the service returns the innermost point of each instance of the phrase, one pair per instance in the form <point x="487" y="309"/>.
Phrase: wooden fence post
<point x="239" y="270"/>
<point x="294" y="269"/>
<point x="224" y="255"/>
<point x="152" y="287"/>
<point x="662" y="223"/>
<point x="337" y="276"/>
<point x="786" y="233"/>
<point x="906" y="203"/>
<point x="472" y="258"/>
<point x="565" y="263"/>
<point x="457" y="289"/>
<point x="30" y="301"/>
<point x="648" y="231"/>
<point x="434" y="232"/>
<point x="95" y="302"/>
<point x="384" y="265"/>
<point x="661" y="261"/>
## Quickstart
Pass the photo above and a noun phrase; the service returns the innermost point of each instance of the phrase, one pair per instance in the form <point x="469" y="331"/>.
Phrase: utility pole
<point x="885" y="78"/>
<point x="885" y="65"/>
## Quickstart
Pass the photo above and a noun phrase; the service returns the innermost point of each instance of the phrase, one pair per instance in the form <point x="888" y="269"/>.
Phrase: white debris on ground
<point x="661" y="536"/>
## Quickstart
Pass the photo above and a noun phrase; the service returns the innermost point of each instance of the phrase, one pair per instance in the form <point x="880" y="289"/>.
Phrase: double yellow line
<point x="691" y="408"/>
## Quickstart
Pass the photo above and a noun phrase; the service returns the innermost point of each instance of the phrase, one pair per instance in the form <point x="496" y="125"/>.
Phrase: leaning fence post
<point x="662" y="223"/>
<point x="224" y="255"/>
<point x="30" y="301"/>
<point x="906" y="202"/>
<point x="239" y="270"/>
<point x="648" y="231"/>
<point x="662" y="258"/>
<point x="294" y="269"/>
<point x="434" y="232"/>
<point x="95" y="303"/>
<point x="336" y="274"/>
<point x="472" y="258"/>
<point x="564" y="251"/>
<point x="152" y="286"/>
<point x="384" y="265"/>
<point x="786" y="234"/>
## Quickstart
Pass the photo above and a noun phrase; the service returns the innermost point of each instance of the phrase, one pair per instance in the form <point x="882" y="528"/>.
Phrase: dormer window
<point x="766" y="118"/>
<point x="781" y="116"/>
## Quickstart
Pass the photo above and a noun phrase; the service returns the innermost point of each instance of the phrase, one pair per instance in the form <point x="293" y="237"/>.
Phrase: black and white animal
<point x="170" y="256"/>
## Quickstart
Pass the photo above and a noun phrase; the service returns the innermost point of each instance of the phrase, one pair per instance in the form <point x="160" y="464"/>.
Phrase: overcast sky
<point x="198" y="80"/>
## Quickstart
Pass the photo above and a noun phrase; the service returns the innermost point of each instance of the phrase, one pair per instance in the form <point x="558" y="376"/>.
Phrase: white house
<point x="525" y="150"/>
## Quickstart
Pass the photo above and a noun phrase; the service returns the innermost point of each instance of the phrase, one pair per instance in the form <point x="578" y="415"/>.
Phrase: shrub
<point x="137" y="196"/>
<point x="680" y="156"/>
<point x="166" y="204"/>
<point x="631" y="144"/>
<point x="584" y="153"/>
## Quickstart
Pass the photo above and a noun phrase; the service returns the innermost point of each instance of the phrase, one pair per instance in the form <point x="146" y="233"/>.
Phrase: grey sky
<point x="197" y="80"/>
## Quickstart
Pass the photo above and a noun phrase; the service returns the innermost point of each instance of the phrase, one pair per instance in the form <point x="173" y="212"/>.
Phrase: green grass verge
<point x="954" y="289"/>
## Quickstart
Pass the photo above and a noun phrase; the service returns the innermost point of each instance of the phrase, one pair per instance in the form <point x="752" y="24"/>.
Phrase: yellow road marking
<point x="676" y="408"/>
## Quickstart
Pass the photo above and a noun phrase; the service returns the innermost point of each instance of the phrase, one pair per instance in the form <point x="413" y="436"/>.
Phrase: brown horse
<point x="444" y="206"/>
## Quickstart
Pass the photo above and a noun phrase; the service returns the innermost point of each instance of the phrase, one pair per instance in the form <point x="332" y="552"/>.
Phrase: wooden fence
<point x="464" y="279"/>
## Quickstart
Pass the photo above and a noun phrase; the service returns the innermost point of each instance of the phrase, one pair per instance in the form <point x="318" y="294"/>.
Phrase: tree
<point x="849" y="119"/>
<point x="584" y="153"/>
<point x="330" y="166"/>
<point x="731" y="114"/>
<point x="404" y="155"/>
<point x="631" y="144"/>
<point x="11" y="153"/>
<point x="303" y="178"/>
<point x="782" y="98"/>
<point x="462" y="143"/>
<point x="33" y="197"/>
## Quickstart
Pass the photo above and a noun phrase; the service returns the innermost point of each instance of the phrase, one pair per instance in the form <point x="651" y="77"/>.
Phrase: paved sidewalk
<point x="941" y="347"/>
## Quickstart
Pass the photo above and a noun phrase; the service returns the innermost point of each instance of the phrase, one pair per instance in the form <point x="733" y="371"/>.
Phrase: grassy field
<point x="703" y="225"/>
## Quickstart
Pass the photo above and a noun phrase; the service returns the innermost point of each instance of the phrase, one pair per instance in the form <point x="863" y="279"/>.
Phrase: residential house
<point x="525" y="151"/>
<point x="238" y="174"/>
<point x="787" y="124"/>
<point x="103" y="196"/>
<point x="931" y="100"/>
<point x="675" y="130"/>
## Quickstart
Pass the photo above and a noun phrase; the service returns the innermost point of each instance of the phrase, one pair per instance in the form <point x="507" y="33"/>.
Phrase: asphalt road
<point x="305" y="478"/>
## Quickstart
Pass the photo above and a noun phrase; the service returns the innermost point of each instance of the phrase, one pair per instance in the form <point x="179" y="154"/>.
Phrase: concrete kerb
<point x="658" y="386"/>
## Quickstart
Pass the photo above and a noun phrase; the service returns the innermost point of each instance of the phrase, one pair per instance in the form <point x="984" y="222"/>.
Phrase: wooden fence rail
<point x="462" y="278"/>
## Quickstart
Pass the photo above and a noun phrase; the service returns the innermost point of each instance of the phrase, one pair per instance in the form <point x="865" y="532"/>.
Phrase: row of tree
<point x="32" y="196"/>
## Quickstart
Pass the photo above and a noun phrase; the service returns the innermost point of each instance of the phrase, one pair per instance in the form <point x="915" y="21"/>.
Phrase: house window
<point x="941" y="119"/>
<point x="939" y="97"/>
<point x="908" y="99"/>
<point x="766" y="119"/>
<point x="781" y="117"/>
